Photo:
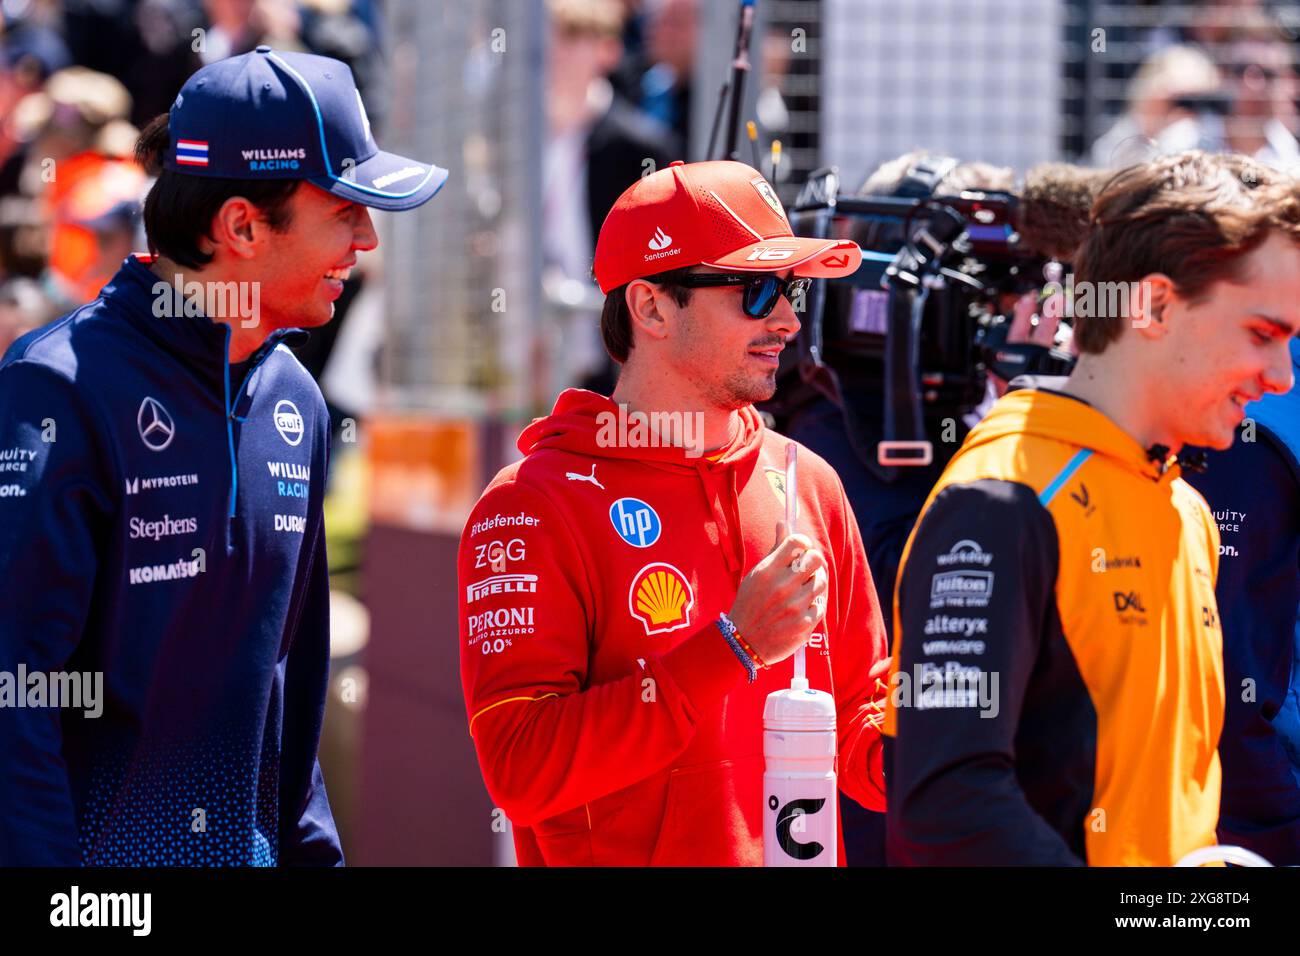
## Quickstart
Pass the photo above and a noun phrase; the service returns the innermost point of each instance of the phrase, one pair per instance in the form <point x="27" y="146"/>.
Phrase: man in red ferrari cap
<point x="628" y="594"/>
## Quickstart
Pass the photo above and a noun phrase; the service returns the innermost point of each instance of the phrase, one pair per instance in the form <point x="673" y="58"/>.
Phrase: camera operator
<point x="887" y="509"/>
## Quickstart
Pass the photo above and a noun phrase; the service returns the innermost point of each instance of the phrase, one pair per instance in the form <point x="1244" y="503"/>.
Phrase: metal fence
<point x="462" y="273"/>
<point x="1109" y="42"/>
<point x="977" y="79"/>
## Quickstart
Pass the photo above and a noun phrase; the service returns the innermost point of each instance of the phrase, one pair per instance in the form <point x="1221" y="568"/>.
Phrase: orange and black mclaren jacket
<point x="1057" y="678"/>
<point x="612" y="722"/>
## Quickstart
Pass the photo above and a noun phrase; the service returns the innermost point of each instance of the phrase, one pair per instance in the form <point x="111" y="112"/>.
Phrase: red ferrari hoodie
<point x="612" y="721"/>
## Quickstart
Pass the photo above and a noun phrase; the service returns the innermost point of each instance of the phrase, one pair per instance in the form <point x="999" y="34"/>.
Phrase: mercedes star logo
<point x="155" y="425"/>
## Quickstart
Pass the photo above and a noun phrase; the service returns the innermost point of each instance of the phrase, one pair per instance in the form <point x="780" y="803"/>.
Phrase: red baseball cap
<point x="719" y="213"/>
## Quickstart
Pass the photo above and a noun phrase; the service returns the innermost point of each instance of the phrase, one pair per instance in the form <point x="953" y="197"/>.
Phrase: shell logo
<point x="661" y="598"/>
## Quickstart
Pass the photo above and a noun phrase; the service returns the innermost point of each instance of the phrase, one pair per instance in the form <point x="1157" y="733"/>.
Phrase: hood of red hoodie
<point x="589" y="424"/>
<point x="584" y="422"/>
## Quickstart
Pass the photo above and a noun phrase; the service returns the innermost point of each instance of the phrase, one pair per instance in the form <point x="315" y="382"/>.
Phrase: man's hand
<point x="783" y="598"/>
<point x="1025" y="331"/>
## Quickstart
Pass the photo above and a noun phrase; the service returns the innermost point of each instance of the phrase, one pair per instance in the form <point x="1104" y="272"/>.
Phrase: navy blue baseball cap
<point x="273" y="115"/>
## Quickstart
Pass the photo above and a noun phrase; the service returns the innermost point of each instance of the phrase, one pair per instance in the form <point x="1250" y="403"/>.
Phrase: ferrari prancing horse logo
<point x="776" y="478"/>
<point x="764" y="189"/>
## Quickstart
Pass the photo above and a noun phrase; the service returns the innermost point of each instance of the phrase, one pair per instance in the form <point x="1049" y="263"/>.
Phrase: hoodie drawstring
<point x="724" y="505"/>
<point x="231" y="401"/>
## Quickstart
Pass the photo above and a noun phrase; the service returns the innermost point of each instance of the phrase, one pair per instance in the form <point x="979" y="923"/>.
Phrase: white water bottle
<point x="800" y="793"/>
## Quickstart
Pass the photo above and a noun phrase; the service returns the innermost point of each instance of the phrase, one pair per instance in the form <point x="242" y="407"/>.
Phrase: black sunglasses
<point x="762" y="289"/>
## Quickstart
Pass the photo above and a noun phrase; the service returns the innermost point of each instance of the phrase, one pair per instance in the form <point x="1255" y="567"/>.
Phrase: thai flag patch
<point x="192" y="152"/>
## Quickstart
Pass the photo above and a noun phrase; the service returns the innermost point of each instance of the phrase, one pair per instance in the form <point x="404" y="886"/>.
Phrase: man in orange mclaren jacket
<point x="628" y="593"/>
<point x="1059" y="689"/>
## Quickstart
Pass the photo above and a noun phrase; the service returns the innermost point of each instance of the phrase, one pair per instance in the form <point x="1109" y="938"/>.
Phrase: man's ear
<point x="651" y="308"/>
<point x="237" y="227"/>
<point x="1149" y="304"/>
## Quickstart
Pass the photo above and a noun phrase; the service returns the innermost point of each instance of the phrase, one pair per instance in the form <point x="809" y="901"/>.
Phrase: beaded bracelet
<point x="749" y="649"/>
<point x="729" y="631"/>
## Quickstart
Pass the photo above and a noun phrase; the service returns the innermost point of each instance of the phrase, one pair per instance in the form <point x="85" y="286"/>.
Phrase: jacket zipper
<point x="230" y="429"/>
<point x="231" y="417"/>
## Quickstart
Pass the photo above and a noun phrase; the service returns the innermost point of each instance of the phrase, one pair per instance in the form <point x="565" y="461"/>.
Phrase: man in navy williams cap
<point x="164" y="589"/>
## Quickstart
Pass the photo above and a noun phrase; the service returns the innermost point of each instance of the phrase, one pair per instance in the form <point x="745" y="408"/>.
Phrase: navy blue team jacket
<point x="161" y="523"/>
<point x="1254" y="491"/>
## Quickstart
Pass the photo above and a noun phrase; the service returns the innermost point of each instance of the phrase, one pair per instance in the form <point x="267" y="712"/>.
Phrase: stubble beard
<point x="738" y="390"/>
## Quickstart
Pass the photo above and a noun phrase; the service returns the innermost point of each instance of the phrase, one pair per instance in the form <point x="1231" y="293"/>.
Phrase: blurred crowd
<point x="618" y="104"/>
<point x="79" y="77"/>
<point x="1215" y="75"/>
<point x="621" y="102"/>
